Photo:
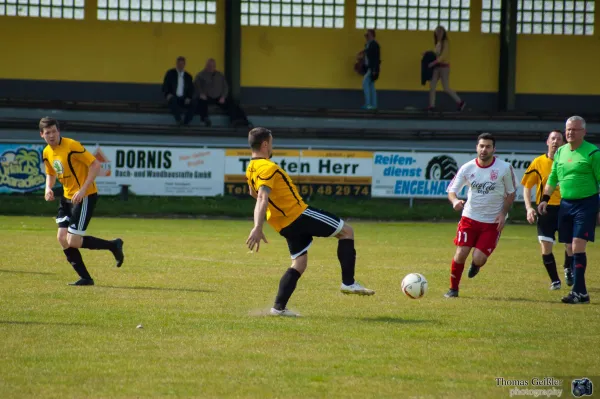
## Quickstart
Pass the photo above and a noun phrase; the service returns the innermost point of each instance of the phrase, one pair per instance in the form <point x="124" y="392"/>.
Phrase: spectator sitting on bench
<point x="178" y="89"/>
<point x="211" y="88"/>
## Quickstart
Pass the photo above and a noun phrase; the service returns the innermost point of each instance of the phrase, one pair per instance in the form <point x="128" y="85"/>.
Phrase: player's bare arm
<point x="531" y="213"/>
<point x="50" y="181"/>
<point x="260" y="211"/>
<point x="253" y="193"/>
<point x="548" y="190"/>
<point x="94" y="169"/>
<point x="506" y="205"/>
<point x="457" y="203"/>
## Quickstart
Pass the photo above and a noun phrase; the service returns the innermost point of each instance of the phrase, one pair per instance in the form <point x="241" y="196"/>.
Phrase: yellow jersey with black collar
<point x="537" y="174"/>
<point x="69" y="161"/>
<point x="285" y="203"/>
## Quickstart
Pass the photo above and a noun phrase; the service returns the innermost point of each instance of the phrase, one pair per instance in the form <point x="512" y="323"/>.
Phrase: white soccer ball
<point x="414" y="285"/>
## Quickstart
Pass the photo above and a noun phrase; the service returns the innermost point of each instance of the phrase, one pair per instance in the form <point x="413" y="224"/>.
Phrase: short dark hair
<point x="486" y="136"/>
<point x="371" y="31"/>
<point x="257" y="136"/>
<point x="555" y="131"/>
<point x="181" y="58"/>
<point x="47" y="122"/>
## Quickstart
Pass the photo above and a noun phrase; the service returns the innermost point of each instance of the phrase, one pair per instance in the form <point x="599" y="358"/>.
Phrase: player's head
<point x="575" y="129"/>
<point x="49" y="130"/>
<point x="180" y="64"/>
<point x="486" y="147"/>
<point x="370" y="35"/>
<point x="439" y="34"/>
<point x="260" y="140"/>
<point x="211" y="65"/>
<point x="555" y="140"/>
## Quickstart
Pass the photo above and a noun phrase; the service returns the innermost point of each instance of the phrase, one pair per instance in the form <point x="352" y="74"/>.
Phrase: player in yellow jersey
<point x="278" y="199"/>
<point x="69" y="162"/>
<point x="547" y="225"/>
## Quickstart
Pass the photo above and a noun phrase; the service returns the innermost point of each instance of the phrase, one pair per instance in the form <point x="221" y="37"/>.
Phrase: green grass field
<point x="202" y="298"/>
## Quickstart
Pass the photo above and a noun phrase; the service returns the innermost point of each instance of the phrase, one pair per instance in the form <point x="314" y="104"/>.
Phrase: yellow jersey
<point x="285" y="203"/>
<point x="537" y="175"/>
<point x="70" y="163"/>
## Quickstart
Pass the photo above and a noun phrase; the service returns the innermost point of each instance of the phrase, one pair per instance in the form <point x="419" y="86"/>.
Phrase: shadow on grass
<point x="39" y="323"/>
<point x="155" y="289"/>
<point x="397" y="320"/>
<point x="23" y="272"/>
<point x="525" y="300"/>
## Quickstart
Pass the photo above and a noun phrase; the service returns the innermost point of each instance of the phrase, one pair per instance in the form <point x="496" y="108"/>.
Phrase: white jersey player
<point x="491" y="184"/>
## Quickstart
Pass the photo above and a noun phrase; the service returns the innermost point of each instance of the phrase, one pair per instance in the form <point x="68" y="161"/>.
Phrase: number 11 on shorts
<point x="464" y="236"/>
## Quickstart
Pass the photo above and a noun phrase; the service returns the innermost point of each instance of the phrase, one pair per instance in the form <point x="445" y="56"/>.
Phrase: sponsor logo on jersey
<point x="58" y="167"/>
<point x="494" y="174"/>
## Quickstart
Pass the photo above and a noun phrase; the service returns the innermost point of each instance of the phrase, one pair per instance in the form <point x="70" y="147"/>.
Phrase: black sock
<point x="580" y="263"/>
<point x="90" y="242"/>
<point x="347" y="256"/>
<point x="550" y="265"/>
<point x="568" y="262"/>
<point x="287" y="285"/>
<point x="74" y="258"/>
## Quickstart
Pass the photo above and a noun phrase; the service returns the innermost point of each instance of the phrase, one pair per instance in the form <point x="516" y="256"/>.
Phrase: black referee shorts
<point x="577" y="219"/>
<point x="547" y="225"/>
<point x="311" y="223"/>
<point x="76" y="217"/>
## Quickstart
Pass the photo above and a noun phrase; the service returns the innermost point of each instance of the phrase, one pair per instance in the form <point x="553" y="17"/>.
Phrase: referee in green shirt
<point x="576" y="168"/>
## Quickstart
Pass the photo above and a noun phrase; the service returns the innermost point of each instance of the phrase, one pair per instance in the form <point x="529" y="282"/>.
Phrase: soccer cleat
<point x="451" y="293"/>
<point x="285" y="313"/>
<point x="568" y="276"/>
<point x="555" y="286"/>
<point x="473" y="270"/>
<point x="574" y="298"/>
<point x="356" y="289"/>
<point x="83" y="281"/>
<point x="118" y="253"/>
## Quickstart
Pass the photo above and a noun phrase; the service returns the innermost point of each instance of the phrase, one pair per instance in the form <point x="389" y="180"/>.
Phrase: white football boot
<point x="356" y="289"/>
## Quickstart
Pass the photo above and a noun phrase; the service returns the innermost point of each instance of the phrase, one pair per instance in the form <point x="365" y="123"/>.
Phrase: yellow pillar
<point x="475" y="17"/>
<point x="350" y="15"/>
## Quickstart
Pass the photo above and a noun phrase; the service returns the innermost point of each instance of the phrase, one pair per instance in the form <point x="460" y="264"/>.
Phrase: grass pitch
<point x="201" y="298"/>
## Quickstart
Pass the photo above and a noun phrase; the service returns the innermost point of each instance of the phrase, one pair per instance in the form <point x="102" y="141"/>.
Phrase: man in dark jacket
<point x="178" y="89"/>
<point x="372" y="62"/>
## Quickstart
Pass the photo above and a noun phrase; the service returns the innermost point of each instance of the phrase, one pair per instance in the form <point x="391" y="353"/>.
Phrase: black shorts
<point x="547" y="225"/>
<point x="577" y="219"/>
<point x="311" y="223"/>
<point x="76" y="216"/>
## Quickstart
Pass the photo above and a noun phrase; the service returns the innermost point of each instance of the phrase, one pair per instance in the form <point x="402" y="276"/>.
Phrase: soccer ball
<point x="414" y="285"/>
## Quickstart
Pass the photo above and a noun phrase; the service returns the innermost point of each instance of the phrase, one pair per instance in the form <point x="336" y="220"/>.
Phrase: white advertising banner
<point x="160" y="171"/>
<point x="428" y="174"/>
<point x="330" y="173"/>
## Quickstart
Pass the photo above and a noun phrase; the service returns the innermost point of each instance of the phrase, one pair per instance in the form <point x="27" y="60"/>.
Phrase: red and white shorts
<point x="474" y="234"/>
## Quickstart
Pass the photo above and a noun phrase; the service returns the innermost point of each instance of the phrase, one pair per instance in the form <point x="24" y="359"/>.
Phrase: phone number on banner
<point x="307" y="190"/>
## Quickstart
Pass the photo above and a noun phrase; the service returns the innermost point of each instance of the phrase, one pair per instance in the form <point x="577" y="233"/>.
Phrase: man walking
<point x="577" y="168"/>
<point x="537" y="175"/>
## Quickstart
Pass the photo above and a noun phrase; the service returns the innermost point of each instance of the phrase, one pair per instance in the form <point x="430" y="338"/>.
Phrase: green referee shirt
<point x="577" y="172"/>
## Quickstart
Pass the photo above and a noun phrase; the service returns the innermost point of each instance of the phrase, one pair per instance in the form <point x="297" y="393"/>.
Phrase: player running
<point x="491" y="194"/>
<point x="76" y="169"/>
<point x="278" y="199"/>
<point x="547" y="225"/>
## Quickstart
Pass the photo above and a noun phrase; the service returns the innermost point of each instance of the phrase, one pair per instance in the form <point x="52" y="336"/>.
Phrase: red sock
<point x="455" y="274"/>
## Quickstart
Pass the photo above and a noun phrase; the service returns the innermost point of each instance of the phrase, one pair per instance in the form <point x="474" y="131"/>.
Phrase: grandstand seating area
<point x="153" y="118"/>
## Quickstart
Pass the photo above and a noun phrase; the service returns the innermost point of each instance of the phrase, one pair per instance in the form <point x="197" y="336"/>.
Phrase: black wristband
<point x="545" y="198"/>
